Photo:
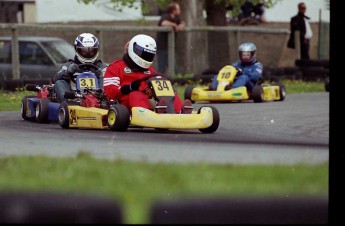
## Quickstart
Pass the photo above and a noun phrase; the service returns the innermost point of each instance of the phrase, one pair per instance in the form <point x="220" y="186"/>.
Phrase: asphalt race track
<point x="295" y="130"/>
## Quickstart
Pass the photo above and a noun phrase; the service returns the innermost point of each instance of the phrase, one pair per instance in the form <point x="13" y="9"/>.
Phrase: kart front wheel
<point x="282" y="92"/>
<point x="118" y="118"/>
<point x="215" y="122"/>
<point x="188" y="93"/>
<point x="63" y="115"/>
<point x="258" y="94"/>
<point x="24" y="108"/>
<point x="42" y="110"/>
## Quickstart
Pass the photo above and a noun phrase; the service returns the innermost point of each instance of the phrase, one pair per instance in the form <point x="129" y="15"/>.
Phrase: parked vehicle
<point x="39" y="57"/>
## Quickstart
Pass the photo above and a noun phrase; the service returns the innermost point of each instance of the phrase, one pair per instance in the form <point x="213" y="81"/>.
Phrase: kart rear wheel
<point x="257" y="94"/>
<point x="118" y="118"/>
<point x="188" y="93"/>
<point x="282" y="92"/>
<point x="42" y="110"/>
<point x="63" y="115"/>
<point x="215" y="123"/>
<point x="24" y="108"/>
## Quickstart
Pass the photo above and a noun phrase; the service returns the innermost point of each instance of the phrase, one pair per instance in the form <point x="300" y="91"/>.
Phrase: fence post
<point x="171" y="54"/>
<point x="15" y="54"/>
<point x="99" y="35"/>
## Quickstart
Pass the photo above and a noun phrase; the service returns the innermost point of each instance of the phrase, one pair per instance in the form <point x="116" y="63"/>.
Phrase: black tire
<point x="42" y="110"/>
<point x="215" y="123"/>
<point x="312" y="63"/>
<point x="327" y="83"/>
<point x="118" y="118"/>
<point x="257" y="94"/>
<point x="13" y="85"/>
<point x="314" y="73"/>
<point x="53" y="207"/>
<point x="188" y="93"/>
<point x="63" y="115"/>
<point x="282" y="92"/>
<point x="24" y="108"/>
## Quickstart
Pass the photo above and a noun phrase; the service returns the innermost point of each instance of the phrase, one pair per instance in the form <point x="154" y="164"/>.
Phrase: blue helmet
<point x="86" y="47"/>
<point x="247" y="52"/>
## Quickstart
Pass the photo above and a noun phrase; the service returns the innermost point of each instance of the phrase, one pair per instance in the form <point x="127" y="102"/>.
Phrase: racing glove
<point x="65" y="76"/>
<point x="239" y="72"/>
<point x="99" y="72"/>
<point x="72" y="68"/>
<point x="126" y="89"/>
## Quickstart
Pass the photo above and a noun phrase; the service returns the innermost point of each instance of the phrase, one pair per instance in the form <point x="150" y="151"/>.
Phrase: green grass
<point x="11" y="101"/>
<point x="137" y="185"/>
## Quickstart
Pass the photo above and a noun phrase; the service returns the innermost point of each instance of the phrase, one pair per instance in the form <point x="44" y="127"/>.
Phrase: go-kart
<point x="86" y="110"/>
<point x="262" y="92"/>
<point x="119" y="118"/>
<point x="44" y="106"/>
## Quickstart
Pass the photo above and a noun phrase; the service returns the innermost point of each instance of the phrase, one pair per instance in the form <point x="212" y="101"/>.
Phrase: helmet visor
<point x="145" y="54"/>
<point x="246" y="56"/>
<point x="87" y="52"/>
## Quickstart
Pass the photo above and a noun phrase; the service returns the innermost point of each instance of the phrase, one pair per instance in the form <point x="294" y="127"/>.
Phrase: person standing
<point x="300" y="23"/>
<point x="171" y="18"/>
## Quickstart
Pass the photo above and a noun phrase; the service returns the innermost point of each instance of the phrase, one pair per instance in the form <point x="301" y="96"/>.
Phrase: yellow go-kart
<point x="223" y="93"/>
<point x="118" y="118"/>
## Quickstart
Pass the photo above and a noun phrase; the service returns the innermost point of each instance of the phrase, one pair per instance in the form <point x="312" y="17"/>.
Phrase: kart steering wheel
<point x="84" y="68"/>
<point x="87" y="67"/>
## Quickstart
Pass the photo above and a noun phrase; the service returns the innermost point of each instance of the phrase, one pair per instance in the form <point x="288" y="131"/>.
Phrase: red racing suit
<point x="119" y="74"/>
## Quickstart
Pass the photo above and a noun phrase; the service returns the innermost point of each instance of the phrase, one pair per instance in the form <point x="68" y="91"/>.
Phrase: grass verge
<point x="136" y="185"/>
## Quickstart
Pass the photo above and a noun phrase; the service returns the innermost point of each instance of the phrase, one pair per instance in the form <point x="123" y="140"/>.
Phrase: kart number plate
<point x="163" y="88"/>
<point x="89" y="83"/>
<point x="224" y="74"/>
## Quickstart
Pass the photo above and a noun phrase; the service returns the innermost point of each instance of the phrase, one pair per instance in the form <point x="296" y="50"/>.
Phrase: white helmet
<point x="142" y="50"/>
<point x="247" y="48"/>
<point x="86" y="47"/>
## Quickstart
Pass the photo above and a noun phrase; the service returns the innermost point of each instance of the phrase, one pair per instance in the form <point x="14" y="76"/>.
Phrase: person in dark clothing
<point x="259" y="11"/>
<point x="300" y="23"/>
<point x="169" y="19"/>
<point x="86" y="52"/>
<point x="252" y="12"/>
<point x="246" y="9"/>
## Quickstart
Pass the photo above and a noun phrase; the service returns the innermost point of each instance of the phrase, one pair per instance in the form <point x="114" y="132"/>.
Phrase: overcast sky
<point x="285" y="9"/>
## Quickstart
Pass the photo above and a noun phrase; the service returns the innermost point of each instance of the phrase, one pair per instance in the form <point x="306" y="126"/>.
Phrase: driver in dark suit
<point x="300" y="23"/>
<point x="86" y="47"/>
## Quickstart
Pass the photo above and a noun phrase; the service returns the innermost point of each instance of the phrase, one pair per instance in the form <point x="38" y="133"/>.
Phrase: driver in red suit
<point x="122" y="77"/>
